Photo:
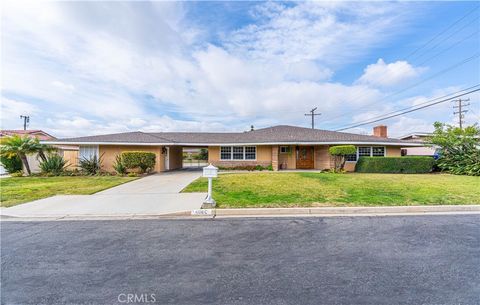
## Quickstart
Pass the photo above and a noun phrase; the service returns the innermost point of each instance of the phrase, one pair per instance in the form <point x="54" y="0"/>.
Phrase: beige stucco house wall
<point x="109" y="153"/>
<point x="175" y="157"/>
<point x="266" y="156"/>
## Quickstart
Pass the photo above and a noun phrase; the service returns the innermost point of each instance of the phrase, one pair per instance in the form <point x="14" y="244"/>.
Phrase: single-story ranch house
<point x="282" y="147"/>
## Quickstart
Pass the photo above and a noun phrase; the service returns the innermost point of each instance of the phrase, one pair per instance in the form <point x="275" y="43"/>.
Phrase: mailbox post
<point x="209" y="172"/>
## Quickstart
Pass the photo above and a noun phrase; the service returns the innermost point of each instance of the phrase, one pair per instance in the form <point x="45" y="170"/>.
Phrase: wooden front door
<point x="304" y="157"/>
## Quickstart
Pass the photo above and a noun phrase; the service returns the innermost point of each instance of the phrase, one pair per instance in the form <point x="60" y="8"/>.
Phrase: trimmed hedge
<point x="139" y="159"/>
<point x="341" y="150"/>
<point x="404" y="165"/>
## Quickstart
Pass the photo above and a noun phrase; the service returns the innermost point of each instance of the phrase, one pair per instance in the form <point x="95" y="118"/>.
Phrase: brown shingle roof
<point x="276" y="134"/>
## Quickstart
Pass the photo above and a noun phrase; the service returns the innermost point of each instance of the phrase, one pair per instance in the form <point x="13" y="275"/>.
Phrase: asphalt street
<point x="432" y="260"/>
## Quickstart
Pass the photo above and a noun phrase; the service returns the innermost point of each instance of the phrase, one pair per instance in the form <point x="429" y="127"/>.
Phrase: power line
<point x="313" y="114"/>
<point x="442" y="32"/>
<point x="404" y="112"/>
<point x="456" y="65"/>
<point x="423" y="103"/>
<point x="425" y="61"/>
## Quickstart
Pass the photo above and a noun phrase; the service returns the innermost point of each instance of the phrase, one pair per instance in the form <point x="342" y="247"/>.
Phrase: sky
<point x="84" y="68"/>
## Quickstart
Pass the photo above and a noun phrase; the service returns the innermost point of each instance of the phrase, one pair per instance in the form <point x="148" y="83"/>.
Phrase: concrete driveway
<point x="153" y="195"/>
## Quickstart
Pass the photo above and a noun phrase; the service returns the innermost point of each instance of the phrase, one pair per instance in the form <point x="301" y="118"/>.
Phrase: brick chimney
<point x="380" y="131"/>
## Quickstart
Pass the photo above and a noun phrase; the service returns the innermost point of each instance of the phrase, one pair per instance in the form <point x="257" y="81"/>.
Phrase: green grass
<point x="325" y="189"/>
<point x="14" y="191"/>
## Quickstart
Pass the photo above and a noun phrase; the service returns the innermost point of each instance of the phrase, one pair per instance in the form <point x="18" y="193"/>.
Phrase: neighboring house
<point x="69" y="152"/>
<point x="419" y="137"/>
<point x="283" y="147"/>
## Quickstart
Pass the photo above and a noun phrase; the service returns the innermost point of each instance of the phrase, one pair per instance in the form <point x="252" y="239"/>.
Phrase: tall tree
<point x="459" y="148"/>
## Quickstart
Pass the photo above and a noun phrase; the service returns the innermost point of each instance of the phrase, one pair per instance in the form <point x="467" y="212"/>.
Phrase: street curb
<point x="272" y="212"/>
<point x="348" y="210"/>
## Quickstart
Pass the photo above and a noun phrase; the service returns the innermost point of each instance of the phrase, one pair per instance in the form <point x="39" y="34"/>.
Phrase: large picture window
<point x="351" y="158"/>
<point x="366" y="151"/>
<point x="250" y="152"/>
<point x="225" y="153"/>
<point x="238" y="153"/>
<point x="378" y="151"/>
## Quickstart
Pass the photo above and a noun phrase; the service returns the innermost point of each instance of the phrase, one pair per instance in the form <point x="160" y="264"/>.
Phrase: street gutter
<point x="273" y="212"/>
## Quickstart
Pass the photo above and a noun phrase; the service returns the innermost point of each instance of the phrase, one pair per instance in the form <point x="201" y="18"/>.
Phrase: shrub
<point x="91" y="166"/>
<point x="404" y="165"/>
<point x="53" y="164"/>
<point x="339" y="152"/>
<point x="118" y="166"/>
<point x="139" y="159"/>
<point x="132" y="175"/>
<point x="459" y="148"/>
<point x="11" y="164"/>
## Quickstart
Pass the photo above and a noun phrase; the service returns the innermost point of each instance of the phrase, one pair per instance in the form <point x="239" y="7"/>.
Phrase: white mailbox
<point x="210" y="171"/>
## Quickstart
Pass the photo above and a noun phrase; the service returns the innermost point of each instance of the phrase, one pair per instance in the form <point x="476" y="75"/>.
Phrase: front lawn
<point x="303" y="189"/>
<point x="19" y="190"/>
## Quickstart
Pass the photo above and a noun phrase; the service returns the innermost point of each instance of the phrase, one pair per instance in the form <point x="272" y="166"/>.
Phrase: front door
<point x="304" y="157"/>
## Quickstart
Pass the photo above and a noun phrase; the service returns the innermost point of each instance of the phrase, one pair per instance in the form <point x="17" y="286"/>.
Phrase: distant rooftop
<point x="40" y="134"/>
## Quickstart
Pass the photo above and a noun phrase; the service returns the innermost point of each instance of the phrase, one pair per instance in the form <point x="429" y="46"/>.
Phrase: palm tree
<point x="20" y="146"/>
<point x="41" y="149"/>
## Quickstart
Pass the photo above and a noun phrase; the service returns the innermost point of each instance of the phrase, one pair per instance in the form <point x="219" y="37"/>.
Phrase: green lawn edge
<point x="313" y="189"/>
<point x="18" y="190"/>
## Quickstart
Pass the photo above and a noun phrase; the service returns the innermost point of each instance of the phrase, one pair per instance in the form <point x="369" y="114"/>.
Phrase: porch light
<point x="209" y="172"/>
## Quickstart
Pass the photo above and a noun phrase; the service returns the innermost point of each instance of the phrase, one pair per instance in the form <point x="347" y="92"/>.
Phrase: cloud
<point x="330" y="33"/>
<point x="11" y="111"/>
<point x="384" y="75"/>
<point x="93" y="68"/>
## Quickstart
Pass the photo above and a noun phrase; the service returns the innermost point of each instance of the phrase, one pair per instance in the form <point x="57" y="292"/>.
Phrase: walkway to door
<point x="153" y="195"/>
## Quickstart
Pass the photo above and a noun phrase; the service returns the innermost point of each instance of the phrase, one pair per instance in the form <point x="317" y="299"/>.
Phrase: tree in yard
<point x="41" y="149"/>
<point x="19" y="146"/>
<point x="339" y="152"/>
<point x="459" y="148"/>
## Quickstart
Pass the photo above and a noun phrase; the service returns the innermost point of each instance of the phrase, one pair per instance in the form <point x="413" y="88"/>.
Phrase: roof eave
<point x="403" y="144"/>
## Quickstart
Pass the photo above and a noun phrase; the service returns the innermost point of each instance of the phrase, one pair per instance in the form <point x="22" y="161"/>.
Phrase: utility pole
<point x="26" y="120"/>
<point x="313" y="114"/>
<point x="461" y="110"/>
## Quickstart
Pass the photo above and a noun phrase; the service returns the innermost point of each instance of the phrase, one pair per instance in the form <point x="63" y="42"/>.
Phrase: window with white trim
<point x="238" y="153"/>
<point x="225" y="153"/>
<point x="351" y="158"/>
<point x="378" y="151"/>
<point x="364" y="151"/>
<point x="250" y="152"/>
<point x="284" y="149"/>
<point x="87" y="151"/>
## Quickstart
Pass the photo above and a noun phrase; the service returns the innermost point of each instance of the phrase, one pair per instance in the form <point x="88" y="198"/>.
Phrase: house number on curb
<point x="202" y="212"/>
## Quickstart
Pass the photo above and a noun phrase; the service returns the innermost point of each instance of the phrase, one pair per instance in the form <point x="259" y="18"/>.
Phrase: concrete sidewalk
<point x="152" y="195"/>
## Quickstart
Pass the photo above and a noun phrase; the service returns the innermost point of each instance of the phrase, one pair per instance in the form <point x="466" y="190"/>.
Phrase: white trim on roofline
<point x="403" y="144"/>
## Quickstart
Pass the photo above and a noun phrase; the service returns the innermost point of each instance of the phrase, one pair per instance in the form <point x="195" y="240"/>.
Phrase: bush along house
<point x="279" y="147"/>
